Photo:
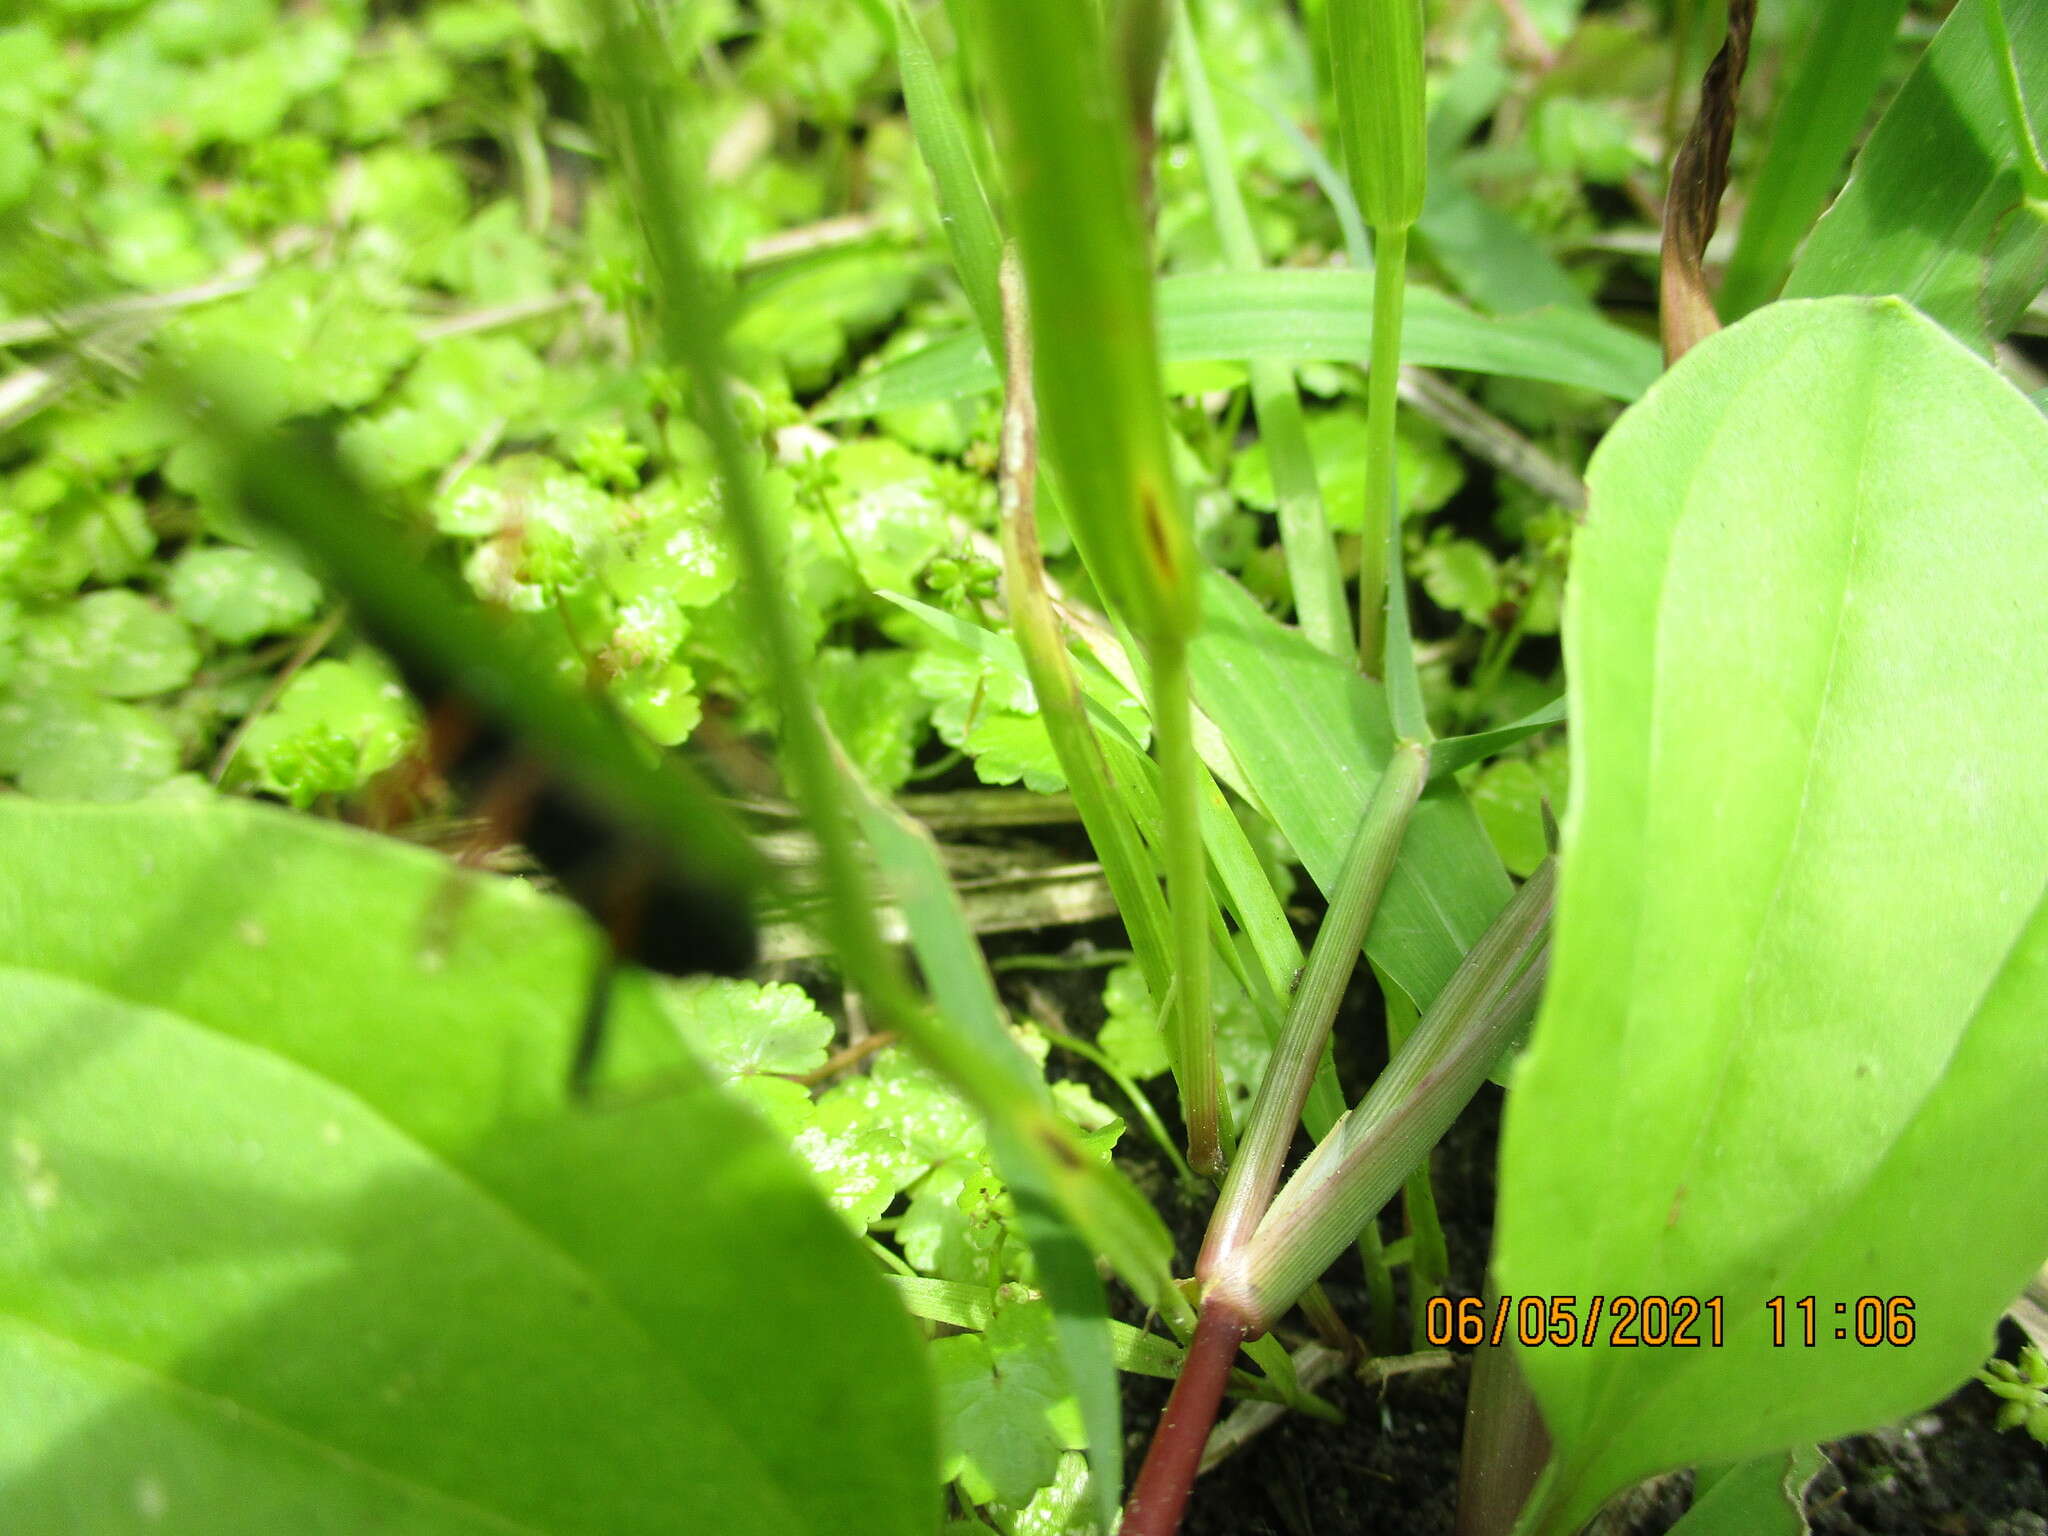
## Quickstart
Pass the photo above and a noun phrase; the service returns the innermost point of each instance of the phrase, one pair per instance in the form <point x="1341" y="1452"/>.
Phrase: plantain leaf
<point x="1802" y="951"/>
<point x="307" y="1237"/>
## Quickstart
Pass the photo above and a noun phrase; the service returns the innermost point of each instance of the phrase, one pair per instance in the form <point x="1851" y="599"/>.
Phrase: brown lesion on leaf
<point x="1158" y="538"/>
<point x="1061" y="1149"/>
<point x="1699" y="176"/>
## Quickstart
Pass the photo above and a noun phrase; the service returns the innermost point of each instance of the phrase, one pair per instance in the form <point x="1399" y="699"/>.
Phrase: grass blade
<point x="1934" y="210"/>
<point x="1375" y="51"/>
<point x="1375" y="1147"/>
<point x="1284" y="1089"/>
<point x="1312" y="736"/>
<point x="1304" y="530"/>
<point x="1847" y="45"/>
<point x="1303" y="316"/>
<point x="964" y="210"/>
<point x="971" y="1049"/>
<point x="1084" y="254"/>
<point x="1117" y="843"/>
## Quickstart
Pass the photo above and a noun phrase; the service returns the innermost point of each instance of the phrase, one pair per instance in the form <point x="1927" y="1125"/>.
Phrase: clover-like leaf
<point x="1006" y="1410"/>
<point x="1131" y="1034"/>
<point x="336" y="726"/>
<point x="860" y="1166"/>
<point x="678" y="545"/>
<point x="236" y="595"/>
<point x="956" y="1223"/>
<point x="740" y="1027"/>
<point x="1460" y="576"/>
<point x="61" y="742"/>
<point x="875" y="710"/>
<point x="888" y="502"/>
<point x="116" y="643"/>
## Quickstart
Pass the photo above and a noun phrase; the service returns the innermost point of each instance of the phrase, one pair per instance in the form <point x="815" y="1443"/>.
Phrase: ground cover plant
<point x="706" y="707"/>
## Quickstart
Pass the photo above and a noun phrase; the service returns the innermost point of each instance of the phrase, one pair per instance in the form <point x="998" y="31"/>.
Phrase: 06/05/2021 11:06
<point x="1682" y="1322"/>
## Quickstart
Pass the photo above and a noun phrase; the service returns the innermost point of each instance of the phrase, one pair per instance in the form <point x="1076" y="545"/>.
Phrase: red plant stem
<point x="1160" y="1495"/>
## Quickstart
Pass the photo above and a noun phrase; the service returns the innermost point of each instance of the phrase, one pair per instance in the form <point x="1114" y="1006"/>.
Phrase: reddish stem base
<point x="1160" y="1495"/>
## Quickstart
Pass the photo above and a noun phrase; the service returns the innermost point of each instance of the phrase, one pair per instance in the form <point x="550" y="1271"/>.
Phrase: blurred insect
<point x="653" y="912"/>
<point x="641" y="847"/>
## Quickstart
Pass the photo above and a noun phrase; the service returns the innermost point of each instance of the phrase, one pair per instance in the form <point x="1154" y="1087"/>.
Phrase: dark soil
<point x="1392" y="1468"/>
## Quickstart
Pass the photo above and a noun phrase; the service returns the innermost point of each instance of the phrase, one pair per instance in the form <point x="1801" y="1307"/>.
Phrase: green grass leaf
<point x="1303" y="316"/>
<point x="1847" y="45"/>
<point x="1283" y="438"/>
<point x="1802" y="951"/>
<point x="1073" y="211"/>
<point x="312" y="1235"/>
<point x="1311" y="736"/>
<point x="942" y="142"/>
<point x="1933" y="211"/>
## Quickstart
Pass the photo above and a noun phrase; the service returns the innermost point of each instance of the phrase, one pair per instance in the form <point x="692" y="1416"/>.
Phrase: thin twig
<point x="847" y="229"/>
<point x="1491" y="439"/>
<point x="978" y="808"/>
<point x="316" y="641"/>
<point x="238" y="276"/>
<point x="848" y="1056"/>
<point x="472" y="321"/>
<point x="37" y="328"/>
<point x="1528" y="37"/>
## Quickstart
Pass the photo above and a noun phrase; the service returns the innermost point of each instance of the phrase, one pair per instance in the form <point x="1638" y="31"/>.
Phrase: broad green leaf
<point x="1461" y="576"/>
<point x="1303" y="316"/>
<point x="1130" y="1034"/>
<point x="1932" y="211"/>
<point x="1508" y="795"/>
<point x="741" y="1027"/>
<point x="313" y="1235"/>
<point x="680" y="551"/>
<point x="887" y="502"/>
<point x="1311" y="736"/>
<point x="874" y="709"/>
<point x="752" y="1038"/>
<point x="1802" y="952"/>
<point x="1761" y="1497"/>
<point x="662" y="701"/>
